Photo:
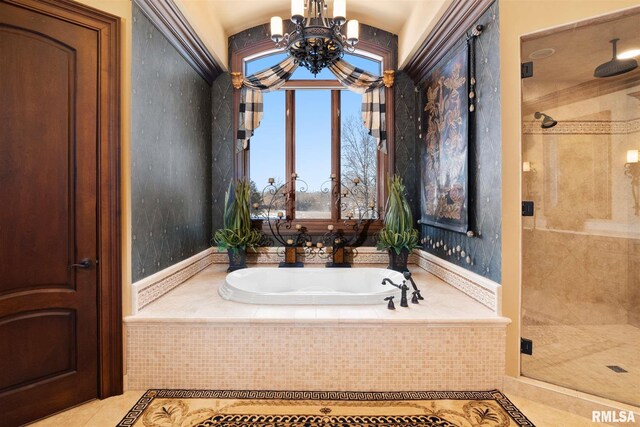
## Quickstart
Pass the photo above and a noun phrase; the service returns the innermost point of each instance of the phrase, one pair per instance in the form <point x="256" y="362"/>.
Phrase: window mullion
<point x="335" y="152"/>
<point x="290" y="150"/>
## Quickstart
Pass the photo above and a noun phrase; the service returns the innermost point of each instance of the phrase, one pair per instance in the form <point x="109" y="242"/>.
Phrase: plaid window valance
<point x="371" y="87"/>
<point x="373" y="98"/>
<point x="251" y="97"/>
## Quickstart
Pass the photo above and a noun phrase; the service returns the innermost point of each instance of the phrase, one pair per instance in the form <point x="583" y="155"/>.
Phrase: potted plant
<point x="397" y="236"/>
<point x="237" y="235"/>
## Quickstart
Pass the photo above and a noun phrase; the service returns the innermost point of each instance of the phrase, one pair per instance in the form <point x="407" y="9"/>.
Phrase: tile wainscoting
<point x="313" y="357"/>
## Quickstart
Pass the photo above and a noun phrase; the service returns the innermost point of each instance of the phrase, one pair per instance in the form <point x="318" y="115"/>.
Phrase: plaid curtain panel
<point x="373" y="98"/>
<point x="374" y="116"/>
<point x="251" y="108"/>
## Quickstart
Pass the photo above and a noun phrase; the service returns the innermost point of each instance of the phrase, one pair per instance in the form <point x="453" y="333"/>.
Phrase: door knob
<point x="85" y="263"/>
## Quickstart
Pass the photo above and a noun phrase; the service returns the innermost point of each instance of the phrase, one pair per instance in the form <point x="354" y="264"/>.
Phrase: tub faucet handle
<point x="415" y="297"/>
<point x="390" y="306"/>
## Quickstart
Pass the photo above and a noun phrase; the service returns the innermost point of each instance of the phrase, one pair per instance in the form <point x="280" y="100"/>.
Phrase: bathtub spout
<point x="387" y="280"/>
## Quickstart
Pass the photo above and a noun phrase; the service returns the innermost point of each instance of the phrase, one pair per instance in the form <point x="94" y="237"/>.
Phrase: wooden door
<point x="48" y="214"/>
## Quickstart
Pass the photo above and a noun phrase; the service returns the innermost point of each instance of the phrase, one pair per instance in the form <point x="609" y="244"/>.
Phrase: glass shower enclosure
<point x="580" y="177"/>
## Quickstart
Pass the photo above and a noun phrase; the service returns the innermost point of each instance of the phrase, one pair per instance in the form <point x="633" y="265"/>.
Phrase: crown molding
<point x="168" y="19"/>
<point x="453" y="25"/>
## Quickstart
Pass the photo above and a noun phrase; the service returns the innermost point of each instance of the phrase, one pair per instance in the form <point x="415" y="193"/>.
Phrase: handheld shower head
<point x="547" y="121"/>
<point x="616" y="66"/>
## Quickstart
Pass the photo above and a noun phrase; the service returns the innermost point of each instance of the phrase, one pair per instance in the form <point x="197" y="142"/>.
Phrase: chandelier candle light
<point x="316" y="42"/>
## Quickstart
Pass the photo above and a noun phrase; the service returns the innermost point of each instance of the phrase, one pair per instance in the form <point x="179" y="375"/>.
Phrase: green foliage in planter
<point x="397" y="232"/>
<point x="237" y="232"/>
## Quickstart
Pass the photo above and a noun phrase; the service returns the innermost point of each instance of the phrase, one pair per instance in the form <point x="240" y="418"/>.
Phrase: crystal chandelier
<point x="316" y="42"/>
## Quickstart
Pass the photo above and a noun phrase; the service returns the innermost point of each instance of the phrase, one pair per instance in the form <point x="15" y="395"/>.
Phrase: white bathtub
<point x="269" y="285"/>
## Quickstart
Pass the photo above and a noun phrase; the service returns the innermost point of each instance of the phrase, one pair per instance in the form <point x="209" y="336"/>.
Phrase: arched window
<point x="313" y="127"/>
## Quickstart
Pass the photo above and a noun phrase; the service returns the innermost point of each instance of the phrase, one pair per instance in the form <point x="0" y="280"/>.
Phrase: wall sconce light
<point x="632" y="170"/>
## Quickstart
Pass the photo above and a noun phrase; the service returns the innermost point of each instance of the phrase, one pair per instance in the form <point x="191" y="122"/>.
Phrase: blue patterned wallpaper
<point x="406" y="104"/>
<point x="170" y="154"/>
<point x="485" y="165"/>
<point x="222" y="146"/>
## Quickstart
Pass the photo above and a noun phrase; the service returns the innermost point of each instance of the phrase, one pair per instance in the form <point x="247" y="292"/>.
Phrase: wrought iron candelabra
<point x="274" y="213"/>
<point x="343" y="241"/>
<point x="335" y="245"/>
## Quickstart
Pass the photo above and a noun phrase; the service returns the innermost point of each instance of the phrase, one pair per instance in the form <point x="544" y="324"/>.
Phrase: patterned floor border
<point x="495" y="395"/>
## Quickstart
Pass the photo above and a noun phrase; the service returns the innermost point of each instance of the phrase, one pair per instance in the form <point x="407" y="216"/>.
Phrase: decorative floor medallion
<point x="218" y="408"/>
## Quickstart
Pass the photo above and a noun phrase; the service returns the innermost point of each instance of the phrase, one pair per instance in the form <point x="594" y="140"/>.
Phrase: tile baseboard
<point x="569" y="400"/>
<point x="485" y="291"/>
<point x="149" y="289"/>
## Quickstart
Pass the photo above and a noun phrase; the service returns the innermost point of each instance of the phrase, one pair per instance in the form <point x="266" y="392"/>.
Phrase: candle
<point x="372" y="205"/>
<point x="356" y="180"/>
<point x="353" y="31"/>
<point x="319" y="244"/>
<point x="330" y="227"/>
<point x="632" y="156"/>
<point x="350" y="215"/>
<point x="280" y="214"/>
<point x="276" y="28"/>
<point x="256" y="205"/>
<point x="344" y="192"/>
<point x="298" y="226"/>
<point x="289" y="241"/>
<point x="297" y="10"/>
<point x="339" y="10"/>
<point x="333" y="176"/>
<point x="271" y="180"/>
<point x="526" y="166"/>
<point x="309" y="244"/>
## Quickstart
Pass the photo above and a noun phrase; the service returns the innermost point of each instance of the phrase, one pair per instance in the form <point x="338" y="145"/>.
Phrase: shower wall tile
<point x="592" y="279"/>
<point x="170" y="154"/>
<point x="485" y="165"/>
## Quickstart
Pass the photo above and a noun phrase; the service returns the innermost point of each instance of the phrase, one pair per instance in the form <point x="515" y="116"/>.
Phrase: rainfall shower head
<point x="615" y="66"/>
<point x="547" y="121"/>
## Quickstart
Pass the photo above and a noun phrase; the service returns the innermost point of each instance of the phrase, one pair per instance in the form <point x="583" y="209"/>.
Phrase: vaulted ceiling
<point x="216" y="20"/>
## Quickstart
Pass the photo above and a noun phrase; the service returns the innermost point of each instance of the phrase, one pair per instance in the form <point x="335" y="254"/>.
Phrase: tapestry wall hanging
<point x="444" y="181"/>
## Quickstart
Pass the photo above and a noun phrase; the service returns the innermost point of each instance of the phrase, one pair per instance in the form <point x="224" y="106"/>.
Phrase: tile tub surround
<point x="192" y="338"/>
<point x="477" y="287"/>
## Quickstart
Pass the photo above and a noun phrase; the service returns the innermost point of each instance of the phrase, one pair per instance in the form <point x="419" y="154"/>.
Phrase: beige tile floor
<point x="577" y="356"/>
<point x="108" y="412"/>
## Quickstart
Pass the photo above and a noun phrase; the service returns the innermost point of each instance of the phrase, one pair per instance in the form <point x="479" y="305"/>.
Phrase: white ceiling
<point x="238" y="15"/>
<point x="215" y="20"/>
